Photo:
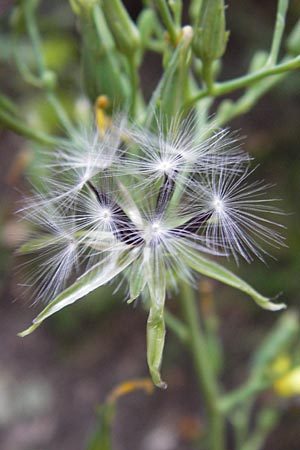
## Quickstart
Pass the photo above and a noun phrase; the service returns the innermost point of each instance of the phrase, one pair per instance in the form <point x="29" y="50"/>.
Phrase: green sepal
<point x="220" y="273"/>
<point x="36" y="244"/>
<point x="97" y="276"/>
<point x="137" y="280"/>
<point x="156" y="331"/>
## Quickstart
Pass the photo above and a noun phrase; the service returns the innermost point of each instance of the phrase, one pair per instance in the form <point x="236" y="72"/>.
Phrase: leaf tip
<point x="28" y="330"/>
<point x="278" y="306"/>
<point x="162" y="385"/>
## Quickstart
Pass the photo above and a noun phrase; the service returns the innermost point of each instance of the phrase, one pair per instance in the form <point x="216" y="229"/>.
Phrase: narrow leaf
<point x="37" y="244"/>
<point x="137" y="280"/>
<point x="97" y="276"/>
<point x="220" y="273"/>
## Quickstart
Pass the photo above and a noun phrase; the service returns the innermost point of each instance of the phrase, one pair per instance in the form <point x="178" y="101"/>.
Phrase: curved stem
<point x="245" y="81"/>
<point x="177" y="327"/>
<point x="21" y="128"/>
<point x="205" y="373"/>
<point x="282" y="7"/>
<point x="28" y="9"/>
<point x="167" y="20"/>
<point x="33" y="32"/>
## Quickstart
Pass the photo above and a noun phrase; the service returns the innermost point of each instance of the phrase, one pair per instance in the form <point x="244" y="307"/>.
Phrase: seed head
<point x="146" y="204"/>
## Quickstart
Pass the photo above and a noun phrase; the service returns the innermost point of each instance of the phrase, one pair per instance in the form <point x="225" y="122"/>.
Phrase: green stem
<point x="176" y="7"/>
<point x="155" y="46"/>
<point x="207" y="75"/>
<point x="33" y="32"/>
<point x="278" y="31"/>
<point x="19" y="127"/>
<point x="243" y="393"/>
<point x="240" y="420"/>
<point x="245" y="81"/>
<point x="8" y="105"/>
<point x="246" y="102"/>
<point x="60" y="112"/>
<point x="28" y="8"/>
<point x="266" y="420"/>
<point x="167" y="20"/>
<point x="134" y="77"/>
<point x="177" y="327"/>
<point x="206" y="377"/>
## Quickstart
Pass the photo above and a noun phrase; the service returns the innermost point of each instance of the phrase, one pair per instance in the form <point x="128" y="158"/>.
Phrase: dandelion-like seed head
<point x="154" y="232"/>
<point x="166" y="166"/>
<point x="148" y="205"/>
<point x="173" y="189"/>
<point x="106" y="214"/>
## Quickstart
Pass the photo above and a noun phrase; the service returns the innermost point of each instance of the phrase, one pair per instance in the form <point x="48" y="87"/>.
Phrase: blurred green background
<point x="52" y="381"/>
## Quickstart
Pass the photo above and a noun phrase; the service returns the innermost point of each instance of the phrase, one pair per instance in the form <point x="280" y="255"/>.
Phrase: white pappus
<point x="147" y="204"/>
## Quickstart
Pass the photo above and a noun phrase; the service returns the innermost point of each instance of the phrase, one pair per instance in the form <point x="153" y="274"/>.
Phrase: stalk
<point x="206" y="377"/>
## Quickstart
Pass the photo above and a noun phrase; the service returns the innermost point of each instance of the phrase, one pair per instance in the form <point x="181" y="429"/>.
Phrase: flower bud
<point x="102" y="73"/>
<point x="123" y="29"/>
<point x="173" y="89"/>
<point x="293" y="42"/>
<point x="211" y="37"/>
<point x="289" y="384"/>
<point x="146" y="24"/>
<point x="49" y="80"/>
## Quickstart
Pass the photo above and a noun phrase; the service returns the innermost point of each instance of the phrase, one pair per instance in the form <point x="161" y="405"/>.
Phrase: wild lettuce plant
<point x="153" y="194"/>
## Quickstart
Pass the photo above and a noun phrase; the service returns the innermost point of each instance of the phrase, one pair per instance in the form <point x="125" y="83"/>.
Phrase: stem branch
<point x="19" y="127"/>
<point x="245" y="81"/>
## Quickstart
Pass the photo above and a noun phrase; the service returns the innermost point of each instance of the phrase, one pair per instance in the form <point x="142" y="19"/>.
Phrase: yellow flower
<point x="287" y="385"/>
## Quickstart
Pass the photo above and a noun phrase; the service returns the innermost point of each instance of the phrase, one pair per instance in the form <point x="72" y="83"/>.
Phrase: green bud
<point x="194" y="10"/>
<point x="258" y="61"/>
<point x="211" y="37"/>
<point x="293" y="42"/>
<point x="146" y="24"/>
<point x="49" y="80"/>
<point x="102" y="68"/>
<point x="123" y="29"/>
<point x="137" y="281"/>
<point x="173" y="89"/>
